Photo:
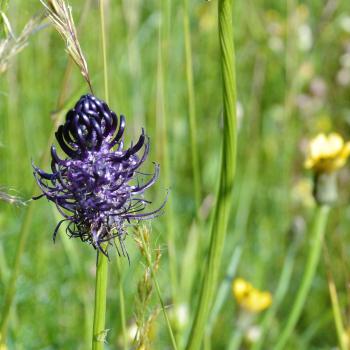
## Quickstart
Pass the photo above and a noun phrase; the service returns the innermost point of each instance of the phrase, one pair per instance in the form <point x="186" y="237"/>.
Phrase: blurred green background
<point x="293" y="81"/>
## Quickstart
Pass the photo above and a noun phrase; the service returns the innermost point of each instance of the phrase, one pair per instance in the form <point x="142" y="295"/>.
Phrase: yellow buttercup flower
<point x="250" y="298"/>
<point x="327" y="153"/>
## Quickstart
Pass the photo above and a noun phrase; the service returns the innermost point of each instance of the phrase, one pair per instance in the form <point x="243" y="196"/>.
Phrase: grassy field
<point x="293" y="82"/>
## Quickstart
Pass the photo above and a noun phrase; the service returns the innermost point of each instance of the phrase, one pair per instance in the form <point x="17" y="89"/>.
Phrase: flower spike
<point x="97" y="188"/>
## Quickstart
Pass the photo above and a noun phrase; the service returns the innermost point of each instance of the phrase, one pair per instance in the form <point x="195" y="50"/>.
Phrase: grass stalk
<point x="228" y="165"/>
<point x="104" y="49"/>
<point x="159" y="294"/>
<point x="316" y="240"/>
<point x="278" y="296"/>
<point x="122" y="303"/>
<point x="337" y="314"/>
<point x="224" y="288"/>
<point x="191" y="105"/>
<point x="339" y="326"/>
<point x="235" y="340"/>
<point x="99" y="332"/>
<point x="162" y="136"/>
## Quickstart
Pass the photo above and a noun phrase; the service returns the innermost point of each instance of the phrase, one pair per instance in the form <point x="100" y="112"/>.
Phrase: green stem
<point x="235" y="340"/>
<point x="162" y="136"/>
<point x="99" y="332"/>
<point x="278" y="296"/>
<point x="341" y="333"/>
<point x="228" y="166"/>
<point x="337" y="313"/>
<point x="224" y="288"/>
<point x="317" y="234"/>
<point x="191" y="106"/>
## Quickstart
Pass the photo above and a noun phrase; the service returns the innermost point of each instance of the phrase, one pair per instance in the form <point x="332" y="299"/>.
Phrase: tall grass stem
<point x="228" y="166"/>
<point x="278" y="295"/>
<point x="162" y="136"/>
<point x="191" y="105"/>
<point x="316" y="240"/>
<point x="341" y="333"/>
<point x="224" y="288"/>
<point x="343" y="339"/>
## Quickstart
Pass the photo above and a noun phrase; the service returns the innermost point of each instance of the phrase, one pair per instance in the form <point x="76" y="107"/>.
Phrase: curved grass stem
<point x="316" y="240"/>
<point x="228" y="165"/>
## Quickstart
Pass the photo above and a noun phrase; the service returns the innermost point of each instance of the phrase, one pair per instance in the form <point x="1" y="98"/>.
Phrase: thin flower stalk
<point x="316" y="241"/>
<point x="224" y="288"/>
<point x="228" y="166"/>
<point x="99" y="333"/>
<point x="281" y="291"/>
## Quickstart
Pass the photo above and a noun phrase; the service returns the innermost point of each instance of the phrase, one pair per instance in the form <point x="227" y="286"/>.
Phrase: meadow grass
<point x="164" y="73"/>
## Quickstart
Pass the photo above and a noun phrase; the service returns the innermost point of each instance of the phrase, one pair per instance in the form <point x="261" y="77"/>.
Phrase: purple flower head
<point x="97" y="188"/>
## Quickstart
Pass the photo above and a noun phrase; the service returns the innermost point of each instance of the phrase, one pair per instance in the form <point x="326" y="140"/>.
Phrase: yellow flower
<point x="327" y="153"/>
<point x="250" y="298"/>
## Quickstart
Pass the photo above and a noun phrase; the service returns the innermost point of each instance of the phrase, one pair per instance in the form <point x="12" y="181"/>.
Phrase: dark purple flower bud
<point x="98" y="188"/>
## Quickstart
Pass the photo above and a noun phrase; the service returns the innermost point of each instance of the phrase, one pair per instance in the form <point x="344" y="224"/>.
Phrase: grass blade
<point x="228" y="166"/>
